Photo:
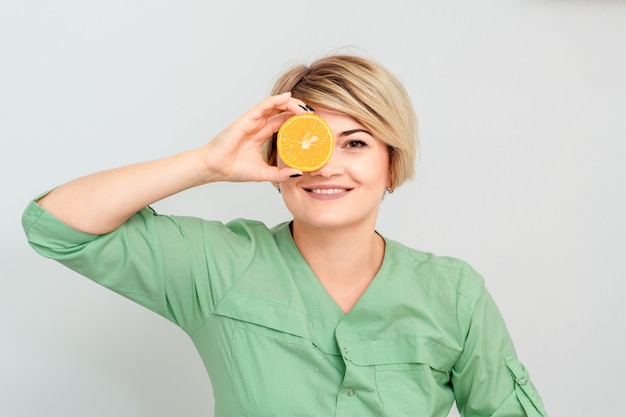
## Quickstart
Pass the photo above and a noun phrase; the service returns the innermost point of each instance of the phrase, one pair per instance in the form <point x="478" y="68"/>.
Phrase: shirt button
<point x="351" y="393"/>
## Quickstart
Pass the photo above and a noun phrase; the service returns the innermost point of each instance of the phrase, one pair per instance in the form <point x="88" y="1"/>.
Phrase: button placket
<point x="357" y="393"/>
<point x="350" y="392"/>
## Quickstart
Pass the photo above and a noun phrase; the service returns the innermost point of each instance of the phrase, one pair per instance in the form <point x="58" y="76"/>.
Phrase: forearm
<point x="101" y="202"/>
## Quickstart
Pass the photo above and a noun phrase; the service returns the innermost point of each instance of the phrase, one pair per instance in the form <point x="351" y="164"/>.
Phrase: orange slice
<point x="305" y="142"/>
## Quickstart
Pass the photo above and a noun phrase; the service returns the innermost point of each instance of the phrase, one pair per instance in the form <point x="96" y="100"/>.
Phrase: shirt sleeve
<point x="164" y="263"/>
<point x="488" y="379"/>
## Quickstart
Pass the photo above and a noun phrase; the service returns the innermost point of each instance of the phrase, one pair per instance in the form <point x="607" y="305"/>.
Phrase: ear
<point x="390" y="180"/>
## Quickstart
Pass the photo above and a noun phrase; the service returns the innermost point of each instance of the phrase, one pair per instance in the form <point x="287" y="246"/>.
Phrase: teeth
<point x="328" y="191"/>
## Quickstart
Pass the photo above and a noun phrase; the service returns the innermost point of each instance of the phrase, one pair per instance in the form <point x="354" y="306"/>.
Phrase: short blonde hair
<point x="364" y="90"/>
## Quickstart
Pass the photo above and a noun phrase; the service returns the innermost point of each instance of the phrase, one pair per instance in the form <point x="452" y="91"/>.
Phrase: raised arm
<point x="101" y="202"/>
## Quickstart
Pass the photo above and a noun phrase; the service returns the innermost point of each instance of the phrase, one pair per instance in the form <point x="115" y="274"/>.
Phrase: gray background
<point x="521" y="106"/>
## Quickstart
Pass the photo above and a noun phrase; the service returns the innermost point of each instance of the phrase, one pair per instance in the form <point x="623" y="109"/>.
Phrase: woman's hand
<point x="235" y="153"/>
<point x="101" y="202"/>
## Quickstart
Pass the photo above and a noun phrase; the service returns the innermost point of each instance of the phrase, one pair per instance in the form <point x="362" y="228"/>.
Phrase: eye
<point x="355" y="144"/>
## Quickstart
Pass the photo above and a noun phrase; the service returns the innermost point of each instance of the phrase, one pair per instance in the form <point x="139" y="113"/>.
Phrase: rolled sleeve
<point x="488" y="379"/>
<point x="160" y="262"/>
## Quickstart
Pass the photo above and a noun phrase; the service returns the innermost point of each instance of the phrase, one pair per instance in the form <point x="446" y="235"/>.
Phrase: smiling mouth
<point x="327" y="190"/>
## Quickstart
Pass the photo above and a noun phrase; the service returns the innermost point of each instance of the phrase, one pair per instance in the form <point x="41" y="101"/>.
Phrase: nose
<point x="334" y="166"/>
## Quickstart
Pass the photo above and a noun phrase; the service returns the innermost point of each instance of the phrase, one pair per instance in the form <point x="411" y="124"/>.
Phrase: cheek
<point x="290" y="200"/>
<point x="378" y="171"/>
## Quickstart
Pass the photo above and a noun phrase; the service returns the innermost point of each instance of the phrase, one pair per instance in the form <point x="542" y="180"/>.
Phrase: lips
<point x="327" y="190"/>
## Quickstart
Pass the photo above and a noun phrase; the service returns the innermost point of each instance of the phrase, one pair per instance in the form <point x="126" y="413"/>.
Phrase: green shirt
<point x="425" y="333"/>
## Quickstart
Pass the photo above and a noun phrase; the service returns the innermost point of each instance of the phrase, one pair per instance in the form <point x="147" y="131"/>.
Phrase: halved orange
<point x="305" y="142"/>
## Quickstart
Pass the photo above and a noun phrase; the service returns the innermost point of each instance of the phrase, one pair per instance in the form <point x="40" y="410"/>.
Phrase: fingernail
<point x="309" y="108"/>
<point x="295" y="175"/>
<point x="302" y="107"/>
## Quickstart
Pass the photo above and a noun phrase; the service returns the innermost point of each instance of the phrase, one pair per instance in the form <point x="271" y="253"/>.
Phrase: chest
<point x="270" y="360"/>
<point x="264" y="372"/>
<point x="346" y="294"/>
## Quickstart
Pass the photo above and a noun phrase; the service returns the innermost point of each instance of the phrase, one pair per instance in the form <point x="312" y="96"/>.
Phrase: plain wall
<point x="522" y="107"/>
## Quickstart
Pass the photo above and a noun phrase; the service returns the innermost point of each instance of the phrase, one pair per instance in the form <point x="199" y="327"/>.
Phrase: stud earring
<point x="389" y="190"/>
<point x="278" y="188"/>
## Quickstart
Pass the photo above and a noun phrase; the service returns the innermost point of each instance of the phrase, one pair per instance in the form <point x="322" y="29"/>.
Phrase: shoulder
<point x="190" y="226"/>
<point x="449" y="274"/>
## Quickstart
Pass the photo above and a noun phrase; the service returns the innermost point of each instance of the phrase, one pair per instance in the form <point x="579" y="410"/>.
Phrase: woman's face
<point x="347" y="190"/>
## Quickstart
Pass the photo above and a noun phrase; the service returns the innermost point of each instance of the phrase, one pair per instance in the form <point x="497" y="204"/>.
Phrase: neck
<point x="344" y="260"/>
<point x="337" y="245"/>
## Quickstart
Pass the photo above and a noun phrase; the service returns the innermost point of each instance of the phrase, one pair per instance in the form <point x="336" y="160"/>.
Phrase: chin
<point x="327" y="222"/>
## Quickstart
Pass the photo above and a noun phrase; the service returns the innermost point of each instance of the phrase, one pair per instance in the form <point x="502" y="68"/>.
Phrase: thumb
<point x="283" y="174"/>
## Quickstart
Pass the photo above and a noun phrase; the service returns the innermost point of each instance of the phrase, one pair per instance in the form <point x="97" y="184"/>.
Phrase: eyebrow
<point x="350" y="132"/>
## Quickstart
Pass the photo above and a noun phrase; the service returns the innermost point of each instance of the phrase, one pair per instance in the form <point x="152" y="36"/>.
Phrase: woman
<point x="318" y="316"/>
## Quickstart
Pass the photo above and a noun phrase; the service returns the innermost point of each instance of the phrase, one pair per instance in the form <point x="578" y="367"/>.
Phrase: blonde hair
<point x="365" y="91"/>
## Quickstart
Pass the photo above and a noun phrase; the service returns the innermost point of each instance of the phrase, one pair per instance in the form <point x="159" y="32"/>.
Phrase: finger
<point x="272" y="123"/>
<point x="271" y="105"/>
<point x="293" y="106"/>
<point x="282" y="102"/>
<point x="297" y="106"/>
<point x="284" y="174"/>
<point x="260" y="132"/>
<point x="267" y="116"/>
<point x="255" y="119"/>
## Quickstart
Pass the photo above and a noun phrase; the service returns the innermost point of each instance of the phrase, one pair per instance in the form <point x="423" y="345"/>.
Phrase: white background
<point x="522" y="107"/>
